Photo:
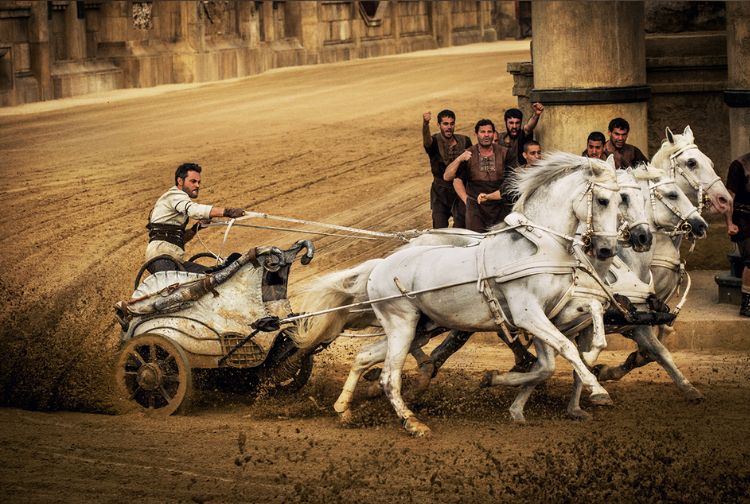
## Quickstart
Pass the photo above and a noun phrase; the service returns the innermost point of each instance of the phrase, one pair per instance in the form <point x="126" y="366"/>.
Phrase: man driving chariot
<point x="167" y="223"/>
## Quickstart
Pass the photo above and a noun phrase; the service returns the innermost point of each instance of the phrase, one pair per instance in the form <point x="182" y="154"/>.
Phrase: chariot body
<point x="217" y="328"/>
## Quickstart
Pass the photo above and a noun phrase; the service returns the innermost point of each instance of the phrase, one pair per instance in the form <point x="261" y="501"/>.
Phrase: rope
<point x="404" y="236"/>
<point x="294" y="230"/>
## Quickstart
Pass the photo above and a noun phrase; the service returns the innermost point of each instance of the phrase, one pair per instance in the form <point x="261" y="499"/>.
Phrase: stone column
<point x="737" y="95"/>
<point x="442" y="22"/>
<point x="39" y="53"/>
<point x="268" y="21"/>
<point x="74" y="34"/>
<point x="589" y="67"/>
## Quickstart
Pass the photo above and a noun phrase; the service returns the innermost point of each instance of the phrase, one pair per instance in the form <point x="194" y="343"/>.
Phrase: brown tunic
<point x="515" y="145"/>
<point x="444" y="202"/>
<point x="627" y="157"/>
<point x="738" y="181"/>
<point x="485" y="175"/>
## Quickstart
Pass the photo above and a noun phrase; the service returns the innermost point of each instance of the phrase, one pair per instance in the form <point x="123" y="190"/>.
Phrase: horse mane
<point x="552" y="166"/>
<point x="644" y="171"/>
<point x="661" y="158"/>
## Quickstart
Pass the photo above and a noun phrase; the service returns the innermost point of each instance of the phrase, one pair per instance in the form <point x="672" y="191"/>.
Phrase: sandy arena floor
<point x="337" y="143"/>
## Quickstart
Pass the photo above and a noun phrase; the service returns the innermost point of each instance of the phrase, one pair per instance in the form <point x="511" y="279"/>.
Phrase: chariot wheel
<point x="154" y="375"/>
<point x="297" y="378"/>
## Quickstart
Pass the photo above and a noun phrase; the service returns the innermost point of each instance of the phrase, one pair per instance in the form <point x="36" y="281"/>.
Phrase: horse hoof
<point x="487" y="379"/>
<point x="601" y="399"/>
<point x="579" y="414"/>
<point x="694" y="395"/>
<point x="517" y="417"/>
<point x="415" y="427"/>
<point x="345" y="417"/>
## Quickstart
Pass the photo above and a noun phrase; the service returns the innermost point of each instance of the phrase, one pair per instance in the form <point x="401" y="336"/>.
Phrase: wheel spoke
<point x="152" y="352"/>
<point x="135" y="391"/>
<point x="135" y="354"/>
<point x="151" y="400"/>
<point x="165" y="394"/>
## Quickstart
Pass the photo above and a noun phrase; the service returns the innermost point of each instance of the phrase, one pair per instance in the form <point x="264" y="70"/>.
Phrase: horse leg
<point x="532" y="319"/>
<point x="585" y="342"/>
<point x="546" y="362"/>
<point x="524" y="359"/>
<point x="650" y="345"/>
<point x="400" y="331"/>
<point x="425" y="367"/>
<point x="367" y="357"/>
<point x="540" y="371"/>
<point x="450" y="345"/>
<point x="599" y="340"/>
<point x="614" y="373"/>
<point x="574" y="405"/>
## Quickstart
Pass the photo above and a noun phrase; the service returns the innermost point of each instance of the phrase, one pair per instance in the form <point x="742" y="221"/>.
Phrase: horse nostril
<point x="642" y="239"/>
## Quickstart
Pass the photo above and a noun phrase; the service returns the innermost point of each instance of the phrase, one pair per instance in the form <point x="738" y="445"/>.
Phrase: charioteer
<point x="167" y="222"/>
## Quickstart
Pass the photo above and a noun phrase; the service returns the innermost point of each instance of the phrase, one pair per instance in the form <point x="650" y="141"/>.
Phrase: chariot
<point x="218" y="326"/>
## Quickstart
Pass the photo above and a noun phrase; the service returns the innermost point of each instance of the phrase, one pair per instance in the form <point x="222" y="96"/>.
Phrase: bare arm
<point x="452" y="169"/>
<point x="534" y="119"/>
<point x="732" y="228"/>
<point x="426" y="136"/>
<point x="493" y="196"/>
<point x="460" y="188"/>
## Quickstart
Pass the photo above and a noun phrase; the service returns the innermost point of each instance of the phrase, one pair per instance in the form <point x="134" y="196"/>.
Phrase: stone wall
<point x="64" y="48"/>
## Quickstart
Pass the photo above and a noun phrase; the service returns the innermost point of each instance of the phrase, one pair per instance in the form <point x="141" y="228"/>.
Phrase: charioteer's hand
<point x="427" y="117"/>
<point x="233" y="213"/>
<point x="465" y="156"/>
<point x="732" y="229"/>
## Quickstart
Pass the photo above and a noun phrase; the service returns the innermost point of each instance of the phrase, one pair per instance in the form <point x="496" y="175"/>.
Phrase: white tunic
<point x="174" y="207"/>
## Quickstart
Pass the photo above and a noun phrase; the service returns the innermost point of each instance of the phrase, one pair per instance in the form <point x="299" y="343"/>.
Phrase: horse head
<point x="692" y="170"/>
<point x="633" y="210"/>
<point x="562" y="190"/>
<point x="671" y="210"/>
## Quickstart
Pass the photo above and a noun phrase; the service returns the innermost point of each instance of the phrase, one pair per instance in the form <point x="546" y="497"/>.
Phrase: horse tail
<point x="331" y="291"/>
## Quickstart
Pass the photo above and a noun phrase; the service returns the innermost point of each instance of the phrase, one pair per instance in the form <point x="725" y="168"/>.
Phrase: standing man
<point x="478" y="176"/>
<point x="595" y="146"/>
<point x="626" y="155"/>
<point x="515" y="136"/>
<point x="738" y="220"/>
<point x="168" y="220"/>
<point x="442" y="148"/>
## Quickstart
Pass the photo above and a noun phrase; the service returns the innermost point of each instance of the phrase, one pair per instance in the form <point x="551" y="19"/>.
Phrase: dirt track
<point x="337" y="143"/>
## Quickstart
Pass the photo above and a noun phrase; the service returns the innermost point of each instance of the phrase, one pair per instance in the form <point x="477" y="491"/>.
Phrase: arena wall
<point x="63" y="48"/>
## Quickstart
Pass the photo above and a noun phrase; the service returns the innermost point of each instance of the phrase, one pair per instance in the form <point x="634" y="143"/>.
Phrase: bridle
<point x="590" y="233"/>
<point x="692" y="180"/>
<point x="626" y="226"/>
<point x="683" y="227"/>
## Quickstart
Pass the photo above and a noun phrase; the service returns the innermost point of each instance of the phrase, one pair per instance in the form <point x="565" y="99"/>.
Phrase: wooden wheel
<point x="154" y="375"/>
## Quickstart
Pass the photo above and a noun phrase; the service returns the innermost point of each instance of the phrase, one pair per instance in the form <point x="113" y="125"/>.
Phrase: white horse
<point x="693" y="172"/>
<point x="670" y="210"/>
<point x="514" y="276"/>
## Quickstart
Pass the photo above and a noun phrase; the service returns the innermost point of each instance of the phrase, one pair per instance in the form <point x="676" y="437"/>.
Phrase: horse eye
<point x="672" y="196"/>
<point x="692" y="163"/>
<point x="625" y="199"/>
<point x="602" y="201"/>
